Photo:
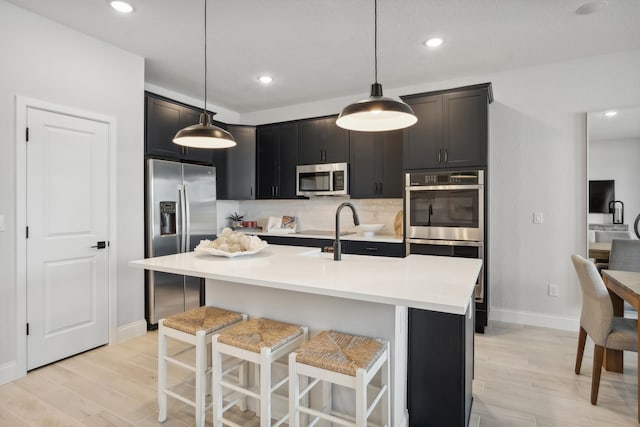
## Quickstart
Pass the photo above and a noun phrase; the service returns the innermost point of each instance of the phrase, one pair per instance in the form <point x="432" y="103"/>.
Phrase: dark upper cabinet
<point x="276" y="160"/>
<point x="376" y="164"/>
<point x="322" y="141"/>
<point x="452" y="129"/>
<point x="164" y="118"/>
<point x="241" y="164"/>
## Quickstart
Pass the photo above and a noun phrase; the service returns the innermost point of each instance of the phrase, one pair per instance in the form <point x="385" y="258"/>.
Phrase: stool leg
<point x="265" y="388"/>
<point x="361" y="399"/>
<point x="294" y="392"/>
<point x="327" y="404"/>
<point x="162" y="372"/>
<point x="216" y="376"/>
<point x="201" y="368"/>
<point x="243" y="381"/>
<point x="385" y="420"/>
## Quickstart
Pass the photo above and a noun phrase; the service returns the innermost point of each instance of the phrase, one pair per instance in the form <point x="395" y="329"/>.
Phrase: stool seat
<point x="207" y="319"/>
<point x="340" y="352"/>
<point x="256" y="334"/>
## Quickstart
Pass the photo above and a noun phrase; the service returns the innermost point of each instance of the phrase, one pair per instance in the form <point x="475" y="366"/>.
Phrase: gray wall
<point x="50" y="62"/>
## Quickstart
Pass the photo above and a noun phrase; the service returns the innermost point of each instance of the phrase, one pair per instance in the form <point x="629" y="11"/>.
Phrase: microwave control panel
<point x="444" y="178"/>
<point x="338" y="180"/>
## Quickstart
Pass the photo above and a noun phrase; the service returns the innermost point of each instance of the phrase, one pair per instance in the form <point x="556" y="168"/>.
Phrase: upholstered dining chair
<point x="597" y="321"/>
<point x="625" y="255"/>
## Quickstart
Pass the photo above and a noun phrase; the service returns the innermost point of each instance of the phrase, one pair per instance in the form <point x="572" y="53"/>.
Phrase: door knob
<point x="100" y="245"/>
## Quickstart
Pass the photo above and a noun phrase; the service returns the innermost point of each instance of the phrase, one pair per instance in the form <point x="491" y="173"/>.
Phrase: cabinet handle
<point x="273" y="190"/>
<point x="251" y="190"/>
<point x="372" y="249"/>
<point x="446" y="156"/>
<point x="439" y="155"/>
<point x="277" y="190"/>
<point x="380" y="190"/>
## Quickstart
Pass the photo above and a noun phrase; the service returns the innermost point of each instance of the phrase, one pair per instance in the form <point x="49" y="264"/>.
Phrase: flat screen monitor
<point x="600" y="194"/>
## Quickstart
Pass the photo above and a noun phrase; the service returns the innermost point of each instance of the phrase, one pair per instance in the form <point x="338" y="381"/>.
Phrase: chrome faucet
<point x="337" y="248"/>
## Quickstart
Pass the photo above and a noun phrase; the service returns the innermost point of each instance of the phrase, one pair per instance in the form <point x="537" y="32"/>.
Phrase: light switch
<point x="537" y="218"/>
<point x="1" y="222"/>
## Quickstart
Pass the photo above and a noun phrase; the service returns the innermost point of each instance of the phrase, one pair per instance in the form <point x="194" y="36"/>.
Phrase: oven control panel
<point x="444" y="178"/>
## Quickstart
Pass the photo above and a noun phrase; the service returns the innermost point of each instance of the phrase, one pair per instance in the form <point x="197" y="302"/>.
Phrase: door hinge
<point x="27" y="232"/>
<point x="27" y="134"/>
<point x="27" y="329"/>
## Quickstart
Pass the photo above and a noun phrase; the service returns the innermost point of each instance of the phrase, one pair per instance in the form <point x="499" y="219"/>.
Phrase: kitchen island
<point x="360" y="294"/>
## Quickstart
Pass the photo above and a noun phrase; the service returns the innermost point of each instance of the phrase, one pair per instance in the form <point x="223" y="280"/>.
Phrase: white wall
<point x="50" y="62"/>
<point x="537" y="159"/>
<point x="617" y="160"/>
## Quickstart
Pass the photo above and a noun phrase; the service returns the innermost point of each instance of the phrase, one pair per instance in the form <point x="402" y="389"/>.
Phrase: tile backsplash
<point x="316" y="213"/>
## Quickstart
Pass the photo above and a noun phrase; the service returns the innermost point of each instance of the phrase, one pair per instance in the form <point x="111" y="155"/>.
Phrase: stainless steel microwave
<point x="329" y="179"/>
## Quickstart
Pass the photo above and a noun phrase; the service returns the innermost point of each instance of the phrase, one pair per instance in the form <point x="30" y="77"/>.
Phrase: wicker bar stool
<point x="346" y="360"/>
<point x="261" y="342"/>
<point x="195" y="327"/>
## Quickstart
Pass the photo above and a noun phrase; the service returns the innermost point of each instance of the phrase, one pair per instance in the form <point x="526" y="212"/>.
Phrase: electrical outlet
<point x="553" y="290"/>
<point x="537" y="218"/>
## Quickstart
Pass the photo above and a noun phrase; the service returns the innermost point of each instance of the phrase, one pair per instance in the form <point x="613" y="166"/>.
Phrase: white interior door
<point x="67" y="215"/>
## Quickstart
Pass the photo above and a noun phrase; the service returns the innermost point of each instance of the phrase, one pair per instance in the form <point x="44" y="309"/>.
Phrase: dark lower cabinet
<point x="355" y="247"/>
<point x="440" y="368"/>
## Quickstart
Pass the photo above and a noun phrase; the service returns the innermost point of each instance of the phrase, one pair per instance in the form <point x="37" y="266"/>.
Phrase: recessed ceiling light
<point x="591" y="7"/>
<point x="265" y="79"/>
<point x="434" y="42"/>
<point x="610" y="113"/>
<point x="122" y="6"/>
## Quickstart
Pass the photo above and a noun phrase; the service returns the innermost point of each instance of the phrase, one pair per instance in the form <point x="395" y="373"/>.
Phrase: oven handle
<point x="444" y="187"/>
<point x="473" y="243"/>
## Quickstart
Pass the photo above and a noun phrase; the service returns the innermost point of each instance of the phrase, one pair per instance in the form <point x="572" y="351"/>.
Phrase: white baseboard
<point x="131" y="330"/>
<point x="10" y="371"/>
<point x="534" y="319"/>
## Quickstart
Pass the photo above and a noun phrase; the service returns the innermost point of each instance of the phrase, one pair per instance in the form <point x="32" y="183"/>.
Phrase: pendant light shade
<point x="204" y="134"/>
<point x="376" y="113"/>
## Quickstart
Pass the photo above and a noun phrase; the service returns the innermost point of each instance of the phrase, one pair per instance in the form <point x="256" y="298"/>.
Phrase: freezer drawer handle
<point x="100" y="245"/>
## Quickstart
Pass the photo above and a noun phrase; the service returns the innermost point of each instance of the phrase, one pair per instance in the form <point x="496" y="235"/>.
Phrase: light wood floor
<point x="524" y="377"/>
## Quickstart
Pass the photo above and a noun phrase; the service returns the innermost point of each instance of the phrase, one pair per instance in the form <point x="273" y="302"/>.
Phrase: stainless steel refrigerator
<point x="180" y="210"/>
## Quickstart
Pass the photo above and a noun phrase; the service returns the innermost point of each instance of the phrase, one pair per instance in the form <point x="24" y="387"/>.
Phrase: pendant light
<point x="376" y="113"/>
<point x="204" y="134"/>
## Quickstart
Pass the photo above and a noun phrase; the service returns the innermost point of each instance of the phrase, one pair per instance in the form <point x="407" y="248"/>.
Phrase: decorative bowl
<point x="369" y="229"/>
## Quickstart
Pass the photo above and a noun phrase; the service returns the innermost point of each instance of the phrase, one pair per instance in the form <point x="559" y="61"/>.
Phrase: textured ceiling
<point x="320" y="49"/>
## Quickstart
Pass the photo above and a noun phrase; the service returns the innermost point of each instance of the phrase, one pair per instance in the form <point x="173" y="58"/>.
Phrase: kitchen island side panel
<point x="319" y="313"/>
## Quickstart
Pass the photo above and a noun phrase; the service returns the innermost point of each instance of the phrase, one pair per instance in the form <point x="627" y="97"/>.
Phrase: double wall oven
<point x="445" y="215"/>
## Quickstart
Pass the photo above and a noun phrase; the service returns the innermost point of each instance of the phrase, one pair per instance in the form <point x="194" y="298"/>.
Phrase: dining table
<point x="622" y="286"/>
<point x="600" y="251"/>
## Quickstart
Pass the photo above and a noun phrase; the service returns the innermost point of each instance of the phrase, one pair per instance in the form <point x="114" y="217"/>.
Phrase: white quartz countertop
<point x="441" y="284"/>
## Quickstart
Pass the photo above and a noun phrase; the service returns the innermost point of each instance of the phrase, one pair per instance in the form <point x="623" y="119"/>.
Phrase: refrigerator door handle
<point x="187" y="219"/>
<point x="183" y="219"/>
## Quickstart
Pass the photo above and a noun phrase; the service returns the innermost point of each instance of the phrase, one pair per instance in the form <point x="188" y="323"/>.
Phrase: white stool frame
<point x="264" y="360"/>
<point x="202" y="368"/>
<point x="359" y="383"/>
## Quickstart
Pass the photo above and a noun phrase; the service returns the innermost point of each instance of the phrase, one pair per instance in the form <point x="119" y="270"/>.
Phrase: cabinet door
<point x="391" y="184"/>
<point x="267" y="163"/>
<point x="241" y="164"/>
<point x="288" y="160"/>
<point x="465" y="128"/>
<point x="310" y="142"/>
<point x="162" y="123"/>
<point x="365" y="168"/>
<point x="336" y="143"/>
<point x="423" y="141"/>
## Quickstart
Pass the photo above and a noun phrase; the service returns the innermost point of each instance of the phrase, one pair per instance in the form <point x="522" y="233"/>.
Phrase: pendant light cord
<point x="205" y="57"/>
<point x="375" y="37"/>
